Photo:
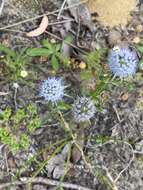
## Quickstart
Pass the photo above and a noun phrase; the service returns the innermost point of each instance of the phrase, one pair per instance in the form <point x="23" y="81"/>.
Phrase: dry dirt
<point x="111" y="12"/>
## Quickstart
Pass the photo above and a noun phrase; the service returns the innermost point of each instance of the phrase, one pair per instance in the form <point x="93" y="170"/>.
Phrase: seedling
<point x="50" y="50"/>
<point x="17" y="128"/>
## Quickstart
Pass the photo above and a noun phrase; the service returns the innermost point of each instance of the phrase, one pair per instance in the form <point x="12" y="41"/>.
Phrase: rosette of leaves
<point x="53" y="51"/>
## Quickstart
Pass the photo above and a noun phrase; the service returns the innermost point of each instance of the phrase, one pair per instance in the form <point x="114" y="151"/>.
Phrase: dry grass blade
<point x="2" y="6"/>
<point x="39" y="16"/>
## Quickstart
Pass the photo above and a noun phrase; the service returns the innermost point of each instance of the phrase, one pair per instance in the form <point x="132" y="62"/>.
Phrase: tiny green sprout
<point x="14" y="124"/>
<point x="6" y="114"/>
<point x="34" y="124"/>
<point x="24" y="141"/>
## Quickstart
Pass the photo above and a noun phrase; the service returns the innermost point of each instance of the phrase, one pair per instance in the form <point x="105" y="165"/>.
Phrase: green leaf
<point x="85" y="75"/>
<point x="6" y="114"/>
<point x="7" y="51"/>
<point x="24" y="141"/>
<point x="68" y="39"/>
<point x="39" y="52"/>
<point x="64" y="60"/>
<point x="58" y="47"/>
<point x="55" y="63"/>
<point x="47" y="44"/>
<point x="63" y="106"/>
<point x="140" y="49"/>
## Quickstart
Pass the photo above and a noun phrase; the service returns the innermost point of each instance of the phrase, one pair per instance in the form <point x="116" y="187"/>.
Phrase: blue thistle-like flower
<point x="52" y="89"/>
<point x="83" y="109"/>
<point x="123" y="61"/>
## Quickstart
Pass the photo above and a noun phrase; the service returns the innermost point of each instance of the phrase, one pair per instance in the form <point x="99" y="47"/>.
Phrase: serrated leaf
<point x="33" y="52"/>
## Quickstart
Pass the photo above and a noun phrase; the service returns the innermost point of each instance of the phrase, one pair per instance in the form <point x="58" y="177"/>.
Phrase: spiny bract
<point x="83" y="109"/>
<point x="123" y="61"/>
<point x="52" y="89"/>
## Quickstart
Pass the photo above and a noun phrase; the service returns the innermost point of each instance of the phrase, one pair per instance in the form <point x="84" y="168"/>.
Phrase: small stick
<point x="46" y="181"/>
<point x="117" y="114"/>
<point x="59" y="15"/>
<point x="39" y="16"/>
<point x="128" y="165"/>
<point x="53" y="23"/>
<point x="2" y="6"/>
<point x="70" y="44"/>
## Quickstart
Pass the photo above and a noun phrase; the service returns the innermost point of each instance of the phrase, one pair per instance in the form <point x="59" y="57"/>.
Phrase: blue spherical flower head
<point x="52" y="90"/>
<point x="123" y="61"/>
<point x="83" y="109"/>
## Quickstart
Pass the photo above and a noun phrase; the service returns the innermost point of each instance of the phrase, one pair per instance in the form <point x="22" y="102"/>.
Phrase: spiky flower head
<point x="123" y="61"/>
<point x="83" y="109"/>
<point x="52" y="89"/>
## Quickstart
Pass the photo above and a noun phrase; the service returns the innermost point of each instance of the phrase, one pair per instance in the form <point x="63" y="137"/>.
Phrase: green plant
<point x="95" y="71"/>
<point x="14" y="63"/>
<point x="50" y="50"/>
<point x="17" y="128"/>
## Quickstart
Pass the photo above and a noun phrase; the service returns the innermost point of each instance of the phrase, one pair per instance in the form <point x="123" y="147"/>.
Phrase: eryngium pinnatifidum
<point x="123" y="62"/>
<point x="83" y="109"/>
<point x="52" y="89"/>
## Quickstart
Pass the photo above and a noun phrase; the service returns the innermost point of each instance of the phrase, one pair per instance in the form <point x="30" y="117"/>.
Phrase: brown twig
<point x="2" y="6"/>
<point x="70" y="44"/>
<point x="39" y="16"/>
<point x="46" y="181"/>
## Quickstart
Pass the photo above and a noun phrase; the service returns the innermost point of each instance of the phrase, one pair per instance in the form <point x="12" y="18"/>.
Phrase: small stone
<point x="139" y="146"/>
<point x="58" y="172"/>
<point x="139" y="28"/>
<point x="114" y="37"/>
<point x="125" y="97"/>
<point x="136" y="40"/>
<point x="39" y="187"/>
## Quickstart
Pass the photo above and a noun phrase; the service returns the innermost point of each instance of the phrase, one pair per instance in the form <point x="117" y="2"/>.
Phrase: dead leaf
<point x="41" y="29"/>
